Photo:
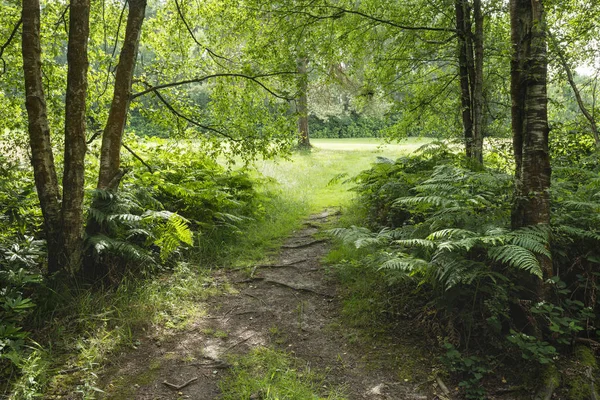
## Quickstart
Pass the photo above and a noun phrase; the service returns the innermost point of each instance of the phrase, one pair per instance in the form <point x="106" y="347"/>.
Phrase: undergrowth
<point x="438" y="229"/>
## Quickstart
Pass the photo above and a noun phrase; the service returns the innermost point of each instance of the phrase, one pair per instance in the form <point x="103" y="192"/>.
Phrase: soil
<point x="291" y="305"/>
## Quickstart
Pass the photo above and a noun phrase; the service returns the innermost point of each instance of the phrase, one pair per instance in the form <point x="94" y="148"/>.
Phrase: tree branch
<point x="567" y="68"/>
<point x="7" y="43"/>
<point x="191" y="121"/>
<point x="341" y="11"/>
<point x="207" y="77"/>
<point x="189" y="29"/>
<point x="140" y="159"/>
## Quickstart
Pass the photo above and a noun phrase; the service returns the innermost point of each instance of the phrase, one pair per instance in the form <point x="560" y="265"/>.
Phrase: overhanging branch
<point x="254" y="79"/>
<point x="7" y="43"/>
<point x="189" y="29"/>
<point x="192" y="121"/>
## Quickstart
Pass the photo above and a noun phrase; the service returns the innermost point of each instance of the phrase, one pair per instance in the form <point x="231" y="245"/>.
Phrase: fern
<point x="170" y="234"/>
<point x="517" y="257"/>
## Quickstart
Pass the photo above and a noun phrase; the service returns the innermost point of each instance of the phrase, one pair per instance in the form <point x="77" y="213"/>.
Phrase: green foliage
<point x="471" y="369"/>
<point x="17" y="283"/>
<point x="444" y="226"/>
<point x="352" y="126"/>
<point x="532" y="348"/>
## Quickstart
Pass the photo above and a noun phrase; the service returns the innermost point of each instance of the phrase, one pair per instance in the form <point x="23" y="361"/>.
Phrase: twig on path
<point x="224" y="315"/>
<point x="442" y="386"/>
<point x="255" y="297"/>
<point x="238" y="343"/>
<point x="179" y="387"/>
<point x="299" y="246"/>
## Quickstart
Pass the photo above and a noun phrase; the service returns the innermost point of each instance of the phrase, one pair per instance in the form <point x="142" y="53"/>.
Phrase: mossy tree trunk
<point x="63" y="220"/>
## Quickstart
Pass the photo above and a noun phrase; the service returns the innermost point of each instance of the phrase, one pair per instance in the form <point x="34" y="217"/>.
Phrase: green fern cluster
<point x="200" y="190"/>
<point x="128" y="230"/>
<point x="443" y="226"/>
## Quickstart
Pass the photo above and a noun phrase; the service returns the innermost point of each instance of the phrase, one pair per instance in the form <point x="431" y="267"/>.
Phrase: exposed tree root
<point x="179" y="387"/>
<point x="300" y="289"/>
<point x="299" y="246"/>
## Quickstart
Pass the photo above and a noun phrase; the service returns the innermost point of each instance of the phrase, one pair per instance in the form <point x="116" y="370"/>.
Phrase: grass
<point x="273" y="375"/>
<point x="87" y="327"/>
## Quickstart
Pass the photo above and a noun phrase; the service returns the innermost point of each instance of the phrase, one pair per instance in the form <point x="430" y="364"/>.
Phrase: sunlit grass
<point x="306" y="177"/>
<point x="272" y="375"/>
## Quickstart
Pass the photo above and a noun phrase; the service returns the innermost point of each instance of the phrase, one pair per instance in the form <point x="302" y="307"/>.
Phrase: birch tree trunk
<point x="530" y="120"/>
<point x="470" y="71"/>
<point x="110" y="155"/>
<point x="42" y="158"/>
<point x="75" y="145"/>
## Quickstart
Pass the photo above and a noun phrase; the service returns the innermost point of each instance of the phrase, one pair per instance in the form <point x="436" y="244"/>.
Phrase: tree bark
<point x="478" y="83"/>
<point x="470" y="71"/>
<point x="75" y="138"/>
<point x="304" y="138"/>
<point x="110" y="154"/>
<point x="529" y="68"/>
<point x="42" y="158"/>
<point x="463" y="72"/>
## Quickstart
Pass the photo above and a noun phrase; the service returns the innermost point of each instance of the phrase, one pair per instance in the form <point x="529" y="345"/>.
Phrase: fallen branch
<point x="442" y="386"/>
<point x="179" y="387"/>
<point x="592" y="343"/>
<point x="299" y="246"/>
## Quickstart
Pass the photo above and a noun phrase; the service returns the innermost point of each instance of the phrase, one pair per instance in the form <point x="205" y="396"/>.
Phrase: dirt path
<point x="291" y="305"/>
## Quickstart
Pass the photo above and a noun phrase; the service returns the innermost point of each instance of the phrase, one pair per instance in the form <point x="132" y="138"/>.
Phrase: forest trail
<point x="290" y="305"/>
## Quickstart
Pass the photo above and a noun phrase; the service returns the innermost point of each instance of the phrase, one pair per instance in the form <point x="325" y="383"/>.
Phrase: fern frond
<point x="517" y="257"/>
<point x="450" y="233"/>
<point x="582" y="205"/>
<point x="424" y="243"/>
<point x="405" y="264"/>
<point x="437" y="201"/>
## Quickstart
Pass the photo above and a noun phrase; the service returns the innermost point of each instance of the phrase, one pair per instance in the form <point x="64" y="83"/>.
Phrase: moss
<point x="123" y="388"/>
<point x="579" y="387"/>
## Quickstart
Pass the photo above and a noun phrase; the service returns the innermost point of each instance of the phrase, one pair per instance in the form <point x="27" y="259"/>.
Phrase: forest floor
<point x="292" y="306"/>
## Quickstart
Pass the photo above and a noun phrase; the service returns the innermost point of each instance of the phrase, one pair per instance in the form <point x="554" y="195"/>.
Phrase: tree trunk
<point x="75" y="146"/>
<point x="42" y="158"/>
<point x="530" y="121"/>
<point x="110" y="155"/>
<point x="478" y="83"/>
<point x="470" y="71"/>
<point x="463" y="72"/>
<point x="304" y="138"/>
